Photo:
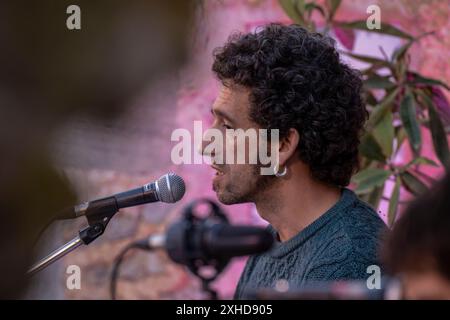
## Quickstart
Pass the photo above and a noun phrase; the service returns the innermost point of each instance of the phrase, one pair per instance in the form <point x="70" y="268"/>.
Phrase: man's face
<point x="235" y="183"/>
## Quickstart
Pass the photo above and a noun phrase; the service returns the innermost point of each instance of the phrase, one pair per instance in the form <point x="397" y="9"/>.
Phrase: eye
<point x="227" y="126"/>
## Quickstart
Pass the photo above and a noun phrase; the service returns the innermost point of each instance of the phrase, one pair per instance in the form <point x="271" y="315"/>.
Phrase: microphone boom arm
<point x="96" y="227"/>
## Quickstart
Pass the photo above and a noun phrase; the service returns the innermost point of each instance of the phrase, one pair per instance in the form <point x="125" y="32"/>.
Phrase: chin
<point x="228" y="198"/>
<point x="225" y="198"/>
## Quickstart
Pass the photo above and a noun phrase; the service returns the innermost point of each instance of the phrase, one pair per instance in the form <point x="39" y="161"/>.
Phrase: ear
<point x="288" y="146"/>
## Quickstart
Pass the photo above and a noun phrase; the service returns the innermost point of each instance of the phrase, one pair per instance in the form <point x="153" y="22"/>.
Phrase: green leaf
<point x="372" y="69"/>
<point x="399" y="53"/>
<point x="333" y="5"/>
<point x="419" y="79"/>
<point x="377" y="82"/>
<point x="409" y="120"/>
<point x="375" y="196"/>
<point x="421" y="160"/>
<point x="301" y="6"/>
<point x="309" y="7"/>
<point x="393" y="202"/>
<point x="291" y="9"/>
<point x="400" y="136"/>
<point x="385" y="29"/>
<point x="400" y="70"/>
<point x="370" y="148"/>
<point x="412" y="183"/>
<point x="370" y="178"/>
<point x="370" y="98"/>
<point x="384" y="134"/>
<point x="380" y="110"/>
<point x="367" y="59"/>
<point x="438" y="133"/>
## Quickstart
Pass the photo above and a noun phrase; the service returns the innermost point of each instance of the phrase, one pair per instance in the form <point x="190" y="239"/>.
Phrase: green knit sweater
<point x="339" y="245"/>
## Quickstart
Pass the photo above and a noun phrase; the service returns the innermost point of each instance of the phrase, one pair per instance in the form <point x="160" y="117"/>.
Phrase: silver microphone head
<point x="170" y="188"/>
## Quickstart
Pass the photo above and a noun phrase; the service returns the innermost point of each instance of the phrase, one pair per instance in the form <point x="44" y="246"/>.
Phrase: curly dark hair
<point x="297" y="80"/>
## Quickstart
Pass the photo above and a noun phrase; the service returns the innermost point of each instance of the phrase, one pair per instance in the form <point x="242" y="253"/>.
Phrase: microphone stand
<point x="97" y="225"/>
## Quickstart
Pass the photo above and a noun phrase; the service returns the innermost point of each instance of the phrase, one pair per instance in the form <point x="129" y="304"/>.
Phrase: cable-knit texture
<point x="339" y="245"/>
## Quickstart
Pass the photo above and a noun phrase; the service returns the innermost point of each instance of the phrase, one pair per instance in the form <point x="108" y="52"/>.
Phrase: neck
<point x="293" y="203"/>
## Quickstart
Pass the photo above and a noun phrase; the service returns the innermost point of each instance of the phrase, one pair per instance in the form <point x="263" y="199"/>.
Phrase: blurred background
<point x="98" y="106"/>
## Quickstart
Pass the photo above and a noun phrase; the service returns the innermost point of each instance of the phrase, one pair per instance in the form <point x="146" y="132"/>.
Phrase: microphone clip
<point x="98" y="221"/>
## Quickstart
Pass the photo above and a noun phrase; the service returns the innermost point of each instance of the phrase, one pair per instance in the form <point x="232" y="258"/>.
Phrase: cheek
<point x="243" y="174"/>
<point x="240" y="151"/>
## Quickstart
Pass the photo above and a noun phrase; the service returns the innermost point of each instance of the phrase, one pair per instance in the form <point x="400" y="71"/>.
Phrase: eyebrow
<point x="222" y="114"/>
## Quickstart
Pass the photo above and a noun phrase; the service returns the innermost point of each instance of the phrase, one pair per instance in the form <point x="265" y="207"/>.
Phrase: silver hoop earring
<point x="277" y="173"/>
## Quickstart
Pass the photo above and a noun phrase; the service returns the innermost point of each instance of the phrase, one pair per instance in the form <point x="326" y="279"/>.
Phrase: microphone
<point x="209" y="241"/>
<point x="169" y="189"/>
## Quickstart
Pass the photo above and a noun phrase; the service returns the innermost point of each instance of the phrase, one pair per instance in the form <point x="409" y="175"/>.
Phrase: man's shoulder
<point x="353" y="235"/>
<point x="359" y="220"/>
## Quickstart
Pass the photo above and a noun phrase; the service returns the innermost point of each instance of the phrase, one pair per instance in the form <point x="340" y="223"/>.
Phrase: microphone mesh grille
<point x="171" y="188"/>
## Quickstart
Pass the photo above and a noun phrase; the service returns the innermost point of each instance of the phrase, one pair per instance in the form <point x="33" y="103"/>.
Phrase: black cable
<point x="141" y="244"/>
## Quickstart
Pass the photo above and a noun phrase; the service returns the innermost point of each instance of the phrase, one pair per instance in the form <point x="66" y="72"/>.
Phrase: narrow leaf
<point x="393" y="202"/>
<point x="370" y="98"/>
<point x="290" y="7"/>
<point x="370" y="148"/>
<point x="438" y="134"/>
<point x="399" y="53"/>
<point x="441" y="104"/>
<point x="380" y="110"/>
<point x="301" y="6"/>
<point x="400" y="137"/>
<point x="421" y="160"/>
<point x="375" y="196"/>
<point x="409" y="120"/>
<point x="412" y="183"/>
<point x="419" y="79"/>
<point x="333" y="5"/>
<point x="370" y="178"/>
<point x="311" y="6"/>
<point x="368" y="59"/>
<point x="384" y="134"/>
<point x="385" y="29"/>
<point x="377" y="82"/>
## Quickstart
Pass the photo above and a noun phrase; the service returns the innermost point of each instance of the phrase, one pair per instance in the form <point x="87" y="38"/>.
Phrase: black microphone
<point x="169" y="189"/>
<point x="209" y="241"/>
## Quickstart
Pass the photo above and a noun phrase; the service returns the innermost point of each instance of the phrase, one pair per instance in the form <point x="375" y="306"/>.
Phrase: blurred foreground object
<point x="418" y="249"/>
<point x="49" y="74"/>
<point x="389" y="289"/>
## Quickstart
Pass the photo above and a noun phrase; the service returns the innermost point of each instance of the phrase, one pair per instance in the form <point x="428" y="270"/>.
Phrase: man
<point x="418" y="249"/>
<point x="285" y="78"/>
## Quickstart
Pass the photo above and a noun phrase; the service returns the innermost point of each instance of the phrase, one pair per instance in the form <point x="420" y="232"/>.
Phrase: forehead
<point x="233" y="99"/>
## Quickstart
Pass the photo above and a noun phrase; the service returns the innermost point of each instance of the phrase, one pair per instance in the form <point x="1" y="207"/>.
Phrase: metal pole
<point x="55" y="255"/>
